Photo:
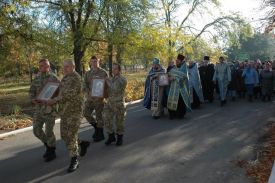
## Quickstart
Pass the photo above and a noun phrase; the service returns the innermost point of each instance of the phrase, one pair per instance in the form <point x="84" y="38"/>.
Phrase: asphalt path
<point x="200" y="148"/>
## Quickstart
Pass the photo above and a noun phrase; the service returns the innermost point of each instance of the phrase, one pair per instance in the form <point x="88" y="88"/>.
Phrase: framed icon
<point x="163" y="79"/>
<point x="98" y="87"/>
<point x="48" y="91"/>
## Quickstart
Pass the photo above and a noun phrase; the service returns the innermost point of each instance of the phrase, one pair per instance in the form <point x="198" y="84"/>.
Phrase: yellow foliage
<point x="134" y="90"/>
<point x="14" y="122"/>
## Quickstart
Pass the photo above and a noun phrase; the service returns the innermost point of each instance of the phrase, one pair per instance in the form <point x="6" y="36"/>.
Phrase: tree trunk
<point x="110" y="57"/>
<point x="119" y="54"/>
<point x="78" y="55"/>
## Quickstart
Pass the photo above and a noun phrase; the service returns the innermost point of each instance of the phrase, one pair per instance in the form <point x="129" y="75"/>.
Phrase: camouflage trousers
<point x="114" y="111"/>
<point x="46" y="136"/>
<point x="90" y="106"/>
<point x="69" y="126"/>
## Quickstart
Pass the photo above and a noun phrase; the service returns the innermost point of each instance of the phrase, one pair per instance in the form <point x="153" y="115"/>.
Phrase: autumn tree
<point x="183" y="23"/>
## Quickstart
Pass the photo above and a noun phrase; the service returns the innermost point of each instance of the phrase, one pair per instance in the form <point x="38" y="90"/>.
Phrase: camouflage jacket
<point x="90" y="75"/>
<point x="117" y="85"/>
<point x="37" y="85"/>
<point x="70" y="98"/>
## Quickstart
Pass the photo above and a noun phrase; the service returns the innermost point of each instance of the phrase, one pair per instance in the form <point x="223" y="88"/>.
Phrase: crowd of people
<point x="182" y="87"/>
<point x="192" y="83"/>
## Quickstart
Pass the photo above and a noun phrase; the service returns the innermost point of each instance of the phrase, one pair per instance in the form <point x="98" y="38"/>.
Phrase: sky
<point x="249" y="9"/>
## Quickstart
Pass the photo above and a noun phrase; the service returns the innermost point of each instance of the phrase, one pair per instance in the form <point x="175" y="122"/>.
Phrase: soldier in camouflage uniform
<point x="115" y="106"/>
<point x="94" y="103"/>
<point x="43" y="114"/>
<point x="70" y="100"/>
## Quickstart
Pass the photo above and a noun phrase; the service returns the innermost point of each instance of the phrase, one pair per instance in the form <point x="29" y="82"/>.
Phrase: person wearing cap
<point x="153" y="95"/>
<point x="178" y="101"/>
<point x="196" y="95"/>
<point x="222" y="77"/>
<point x="206" y="74"/>
<point x="94" y="103"/>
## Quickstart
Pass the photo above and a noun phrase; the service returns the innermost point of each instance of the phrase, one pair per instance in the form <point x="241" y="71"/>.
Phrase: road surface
<point x="197" y="149"/>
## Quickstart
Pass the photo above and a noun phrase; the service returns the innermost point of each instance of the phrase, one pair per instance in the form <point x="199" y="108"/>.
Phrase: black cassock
<point x="206" y="75"/>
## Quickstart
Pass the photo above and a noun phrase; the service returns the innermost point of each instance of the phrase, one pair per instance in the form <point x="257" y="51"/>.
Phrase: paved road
<point x="197" y="149"/>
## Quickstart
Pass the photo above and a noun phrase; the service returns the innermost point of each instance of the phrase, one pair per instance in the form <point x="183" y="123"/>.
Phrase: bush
<point x="134" y="90"/>
<point x="16" y="110"/>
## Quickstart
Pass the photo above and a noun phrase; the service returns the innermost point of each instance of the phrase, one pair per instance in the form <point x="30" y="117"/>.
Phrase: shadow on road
<point x="199" y="148"/>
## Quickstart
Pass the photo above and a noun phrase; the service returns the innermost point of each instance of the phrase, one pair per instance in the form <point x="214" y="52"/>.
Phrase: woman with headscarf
<point x="250" y="79"/>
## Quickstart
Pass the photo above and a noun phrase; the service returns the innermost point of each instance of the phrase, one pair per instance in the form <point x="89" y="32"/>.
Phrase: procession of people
<point x="184" y="86"/>
<point x="195" y="83"/>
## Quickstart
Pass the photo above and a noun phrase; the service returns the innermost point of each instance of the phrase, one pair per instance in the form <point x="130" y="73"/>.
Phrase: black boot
<point x="111" y="139"/>
<point x="155" y="117"/>
<point x="222" y="103"/>
<point x="96" y="131"/>
<point x="100" y="135"/>
<point x="250" y="98"/>
<point x="83" y="147"/>
<point x="119" y="141"/>
<point x="51" y="154"/>
<point x="171" y="116"/>
<point x="47" y="151"/>
<point x="74" y="165"/>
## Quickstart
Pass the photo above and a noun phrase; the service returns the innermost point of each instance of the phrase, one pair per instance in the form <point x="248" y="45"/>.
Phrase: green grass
<point x="13" y="85"/>
<point x="14" y="93"/>
<point x="139" y="76"/>
<point x="15" y="89"/>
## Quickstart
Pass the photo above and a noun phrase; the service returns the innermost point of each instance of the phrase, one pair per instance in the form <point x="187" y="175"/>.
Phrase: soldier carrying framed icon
<point x="98" y="88"/>
<point x="49" y="91"/>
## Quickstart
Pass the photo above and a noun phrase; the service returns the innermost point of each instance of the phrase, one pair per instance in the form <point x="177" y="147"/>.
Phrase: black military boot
<point x="83" y="147"/>
<point x="47" y="151"/>
<point x="222" y="103"/>
<point x="119" y="141"/>
<point x="51" y="154"/>
<point x="74" y="165"/>
<point x="95" y="132"/>
<point x="250" y="98"/>
<point x="100" y="135"/>
<point x="110" y="139"/>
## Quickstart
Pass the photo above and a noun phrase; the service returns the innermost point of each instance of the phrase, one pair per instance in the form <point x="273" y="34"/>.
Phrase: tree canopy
<point x="128" y="32"/>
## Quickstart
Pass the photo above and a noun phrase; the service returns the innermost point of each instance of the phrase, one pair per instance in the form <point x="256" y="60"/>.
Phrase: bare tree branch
<point x="216" y="21"/>
<point x="49" y="2"/>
